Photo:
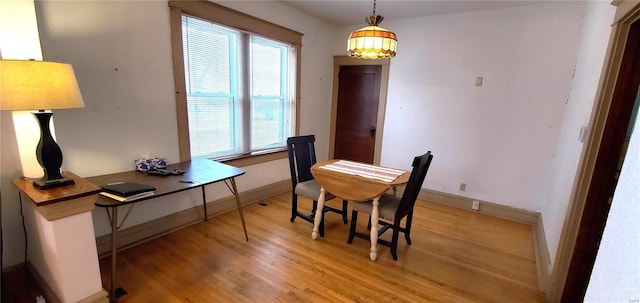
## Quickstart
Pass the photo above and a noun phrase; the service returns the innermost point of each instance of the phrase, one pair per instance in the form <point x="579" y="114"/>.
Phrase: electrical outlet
<point x="463" y="186"/>
<point x="475" y="205"/>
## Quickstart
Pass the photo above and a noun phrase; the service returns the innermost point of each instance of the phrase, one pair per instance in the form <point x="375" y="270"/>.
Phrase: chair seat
<point x="386" y="209"/>
<point x="311" y="189"/>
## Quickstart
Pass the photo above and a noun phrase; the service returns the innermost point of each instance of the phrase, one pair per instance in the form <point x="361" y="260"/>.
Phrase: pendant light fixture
<point x="372" y="42"/>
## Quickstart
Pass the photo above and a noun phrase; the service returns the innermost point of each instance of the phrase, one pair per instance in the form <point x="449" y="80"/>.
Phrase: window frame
<point x="225" y="16"/>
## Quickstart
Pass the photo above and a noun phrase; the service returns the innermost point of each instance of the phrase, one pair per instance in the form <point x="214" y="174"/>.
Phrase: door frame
<point x="626" y="14"/>
<point x="382" y="101"/>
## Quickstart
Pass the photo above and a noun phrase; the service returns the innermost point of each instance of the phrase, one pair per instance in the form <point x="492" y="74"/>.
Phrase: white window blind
<point x="240" y="90"/>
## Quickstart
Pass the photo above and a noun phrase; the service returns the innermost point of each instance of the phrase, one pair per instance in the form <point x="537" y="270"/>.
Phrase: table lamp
<point x="38" y="85"/>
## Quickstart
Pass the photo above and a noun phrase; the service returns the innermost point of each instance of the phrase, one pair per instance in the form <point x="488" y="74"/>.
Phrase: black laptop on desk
<point x="127" y="188"/>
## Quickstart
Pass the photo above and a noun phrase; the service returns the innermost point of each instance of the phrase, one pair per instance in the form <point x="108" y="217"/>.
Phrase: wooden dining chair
<point x="302" y="156"/>
<point x="392" y="209"/>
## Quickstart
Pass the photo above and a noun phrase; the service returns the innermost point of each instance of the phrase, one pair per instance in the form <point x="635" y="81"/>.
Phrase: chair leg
<point x="345" y="203"/>
<point x="407" y="227"/>
<point x="294" y="207"/>
<point x="321" y="228"/>
<point x="407" y="236"/>
<point x="394" y="241"/>
<point x="352" y="229"/>
<point x="295" y="213"/>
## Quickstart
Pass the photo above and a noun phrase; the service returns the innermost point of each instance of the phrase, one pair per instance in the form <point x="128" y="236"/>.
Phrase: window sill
<point x="249" y="160"/>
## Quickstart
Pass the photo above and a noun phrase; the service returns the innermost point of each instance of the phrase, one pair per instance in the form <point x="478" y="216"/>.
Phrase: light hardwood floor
<point x="456" y="256"/>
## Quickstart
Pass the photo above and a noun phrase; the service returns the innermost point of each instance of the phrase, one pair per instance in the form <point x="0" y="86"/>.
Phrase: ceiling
<point x="340" y="13"/>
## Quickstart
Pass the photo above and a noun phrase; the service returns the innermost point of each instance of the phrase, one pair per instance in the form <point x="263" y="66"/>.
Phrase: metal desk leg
<point x="115" y="293"/>
<point x="204" y="204"/>
<point x="318" y="218"/>
<point x="234" y="191"/>
<point x="114" y="252"/>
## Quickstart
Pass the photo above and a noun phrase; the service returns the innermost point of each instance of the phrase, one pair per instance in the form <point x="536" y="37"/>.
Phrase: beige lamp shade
<point x="38" y="85"/>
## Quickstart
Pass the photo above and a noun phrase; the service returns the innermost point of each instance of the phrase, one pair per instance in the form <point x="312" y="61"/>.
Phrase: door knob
<point x="372" y="131"/>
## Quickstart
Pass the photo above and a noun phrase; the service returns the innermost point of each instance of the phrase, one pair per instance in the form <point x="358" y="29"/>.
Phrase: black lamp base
<point x="49" y="156"/>
<point x="45" y="184"/>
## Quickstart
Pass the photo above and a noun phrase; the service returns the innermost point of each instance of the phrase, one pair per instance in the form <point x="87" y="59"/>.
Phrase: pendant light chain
<point x="374" y="7"/>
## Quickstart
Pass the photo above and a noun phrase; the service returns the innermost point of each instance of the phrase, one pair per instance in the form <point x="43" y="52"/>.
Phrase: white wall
<point x="122" y="58"/>
<point x="616" y="273"/>
<point x="499" y="138"/>
<point x="555" y="193"/>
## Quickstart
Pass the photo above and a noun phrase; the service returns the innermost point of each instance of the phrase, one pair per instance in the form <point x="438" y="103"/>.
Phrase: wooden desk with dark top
<point x="197" y="173"/>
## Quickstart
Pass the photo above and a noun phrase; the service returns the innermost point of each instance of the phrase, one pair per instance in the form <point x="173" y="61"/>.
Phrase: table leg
<point x="318" y="217"/>
<point x="234" y="191"/>
<point x="114" y="252"/>
<point x="374" y="230"/>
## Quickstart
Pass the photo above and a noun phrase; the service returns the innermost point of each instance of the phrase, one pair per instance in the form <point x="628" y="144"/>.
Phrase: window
<point x="236" y="89"/>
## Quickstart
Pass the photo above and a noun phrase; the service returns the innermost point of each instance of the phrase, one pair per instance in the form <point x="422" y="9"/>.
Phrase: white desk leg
<point x="374" y="230"/>
<point x="318" y="217"/>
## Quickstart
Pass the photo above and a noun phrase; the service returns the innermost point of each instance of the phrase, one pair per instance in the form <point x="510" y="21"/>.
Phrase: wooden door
<point x="357" y="112"/>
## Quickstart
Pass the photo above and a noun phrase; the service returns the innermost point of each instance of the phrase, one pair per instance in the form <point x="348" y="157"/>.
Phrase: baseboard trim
<point x="543" y="259"/>
<point x="162" y="226"/>
<point x="486" y="208"/>
<point x="100" y="297"/>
